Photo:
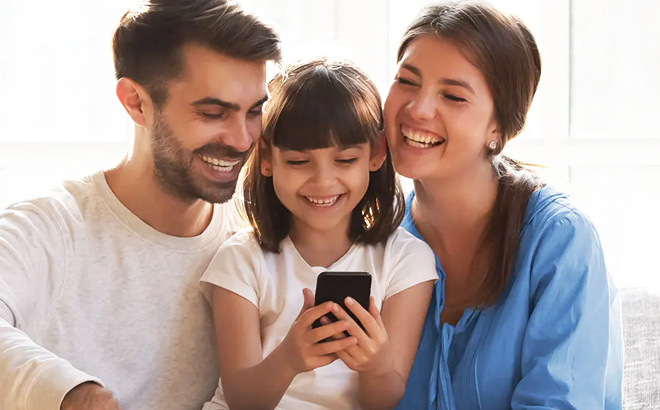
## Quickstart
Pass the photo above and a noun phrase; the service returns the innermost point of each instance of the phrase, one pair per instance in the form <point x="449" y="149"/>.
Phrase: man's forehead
<point x="208" y="73"/>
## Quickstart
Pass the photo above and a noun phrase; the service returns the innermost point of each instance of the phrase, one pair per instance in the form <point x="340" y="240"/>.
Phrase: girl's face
<point x="438" y="113"/>
<point x="321" y="187"/>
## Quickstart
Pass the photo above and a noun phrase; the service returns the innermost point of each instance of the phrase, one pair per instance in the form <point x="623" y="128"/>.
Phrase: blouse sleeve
<point x="572" y="344"/>
<point x="411" y="261"/>
<point x="234" y="267"/>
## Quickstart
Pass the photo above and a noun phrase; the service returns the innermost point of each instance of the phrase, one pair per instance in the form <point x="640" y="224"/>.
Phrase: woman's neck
<point x="454" y="212"/>
<point x="320" y="248"/>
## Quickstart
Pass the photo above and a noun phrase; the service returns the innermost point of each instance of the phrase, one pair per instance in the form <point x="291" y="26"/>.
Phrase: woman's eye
<point x="454" y="98"/>
<point x="347" y="161"/>
<point x="404" y="81"/>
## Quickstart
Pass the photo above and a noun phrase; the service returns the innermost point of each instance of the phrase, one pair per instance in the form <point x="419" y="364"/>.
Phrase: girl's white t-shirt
<point x="273" y="282"/>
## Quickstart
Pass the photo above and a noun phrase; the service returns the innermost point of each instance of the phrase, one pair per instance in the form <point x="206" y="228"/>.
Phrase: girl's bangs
<point x="322" y="115"/>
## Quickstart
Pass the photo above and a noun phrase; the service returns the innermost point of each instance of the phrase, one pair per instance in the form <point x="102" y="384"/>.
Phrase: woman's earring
<point x="492" y="145"/>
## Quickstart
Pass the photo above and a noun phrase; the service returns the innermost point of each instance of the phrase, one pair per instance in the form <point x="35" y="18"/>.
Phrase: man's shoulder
<point x="64" y="199"/>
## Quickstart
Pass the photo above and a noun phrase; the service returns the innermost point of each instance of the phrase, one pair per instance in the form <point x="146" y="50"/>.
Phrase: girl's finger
<point x="335" y="330"/>
<point x="332" y="347"/>
<point x="348" y="360"/>
<point x="368" y="321"/>
<point x="311" y="315"/>
<point x="354" y="329"/>
<point x="373" y="310"/>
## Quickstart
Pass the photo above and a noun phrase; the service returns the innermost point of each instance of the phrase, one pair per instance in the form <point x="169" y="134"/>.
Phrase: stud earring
<point x="492" y="145"/>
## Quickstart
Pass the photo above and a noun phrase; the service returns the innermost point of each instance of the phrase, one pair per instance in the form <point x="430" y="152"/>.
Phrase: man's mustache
<point x="216" y="149"/>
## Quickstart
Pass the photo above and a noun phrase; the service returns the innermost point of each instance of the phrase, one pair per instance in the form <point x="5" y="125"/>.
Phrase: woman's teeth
<point x="420" y="139"/>
<point x="219" y="164"/>
<point x="323" y="201"/>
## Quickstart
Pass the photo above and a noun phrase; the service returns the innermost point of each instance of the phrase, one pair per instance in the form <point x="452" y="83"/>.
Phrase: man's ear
<point x="378" y="153"/>
<point x="136" y="101"/>
<point x="265" y="157"/>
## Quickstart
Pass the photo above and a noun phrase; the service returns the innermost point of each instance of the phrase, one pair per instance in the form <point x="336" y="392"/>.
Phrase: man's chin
<point x="218" y="192"/>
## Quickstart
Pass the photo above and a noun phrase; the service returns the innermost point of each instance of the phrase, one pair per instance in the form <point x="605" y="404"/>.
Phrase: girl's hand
<point x="372" y="353"/>
<point x="301" y="349"/>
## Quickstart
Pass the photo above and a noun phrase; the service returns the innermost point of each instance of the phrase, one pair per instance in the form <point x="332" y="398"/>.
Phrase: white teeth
<point x="420" y="139"/>
<point x="219" y="164"/>
<point x="324" y="201"/>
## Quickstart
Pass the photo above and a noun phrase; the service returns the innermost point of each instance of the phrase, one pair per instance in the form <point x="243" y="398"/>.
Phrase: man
<point x="99" y="304"/>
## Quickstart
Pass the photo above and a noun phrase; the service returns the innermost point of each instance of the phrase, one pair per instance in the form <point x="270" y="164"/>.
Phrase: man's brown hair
<point x="148" y="41"/>
<point x="320" y="104"/>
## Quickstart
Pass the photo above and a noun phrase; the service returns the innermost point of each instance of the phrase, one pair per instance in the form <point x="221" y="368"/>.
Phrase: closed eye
<point x="454" y="98"/>
<point x="213" y="116"/>
<point x="296" y="163"/>
<point x="255" y="112"/>
<point x="346" y="161"/>
<point x="405" y="81"/>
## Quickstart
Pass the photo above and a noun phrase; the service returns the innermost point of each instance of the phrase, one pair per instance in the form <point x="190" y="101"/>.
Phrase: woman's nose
<point x="422" y="107"/>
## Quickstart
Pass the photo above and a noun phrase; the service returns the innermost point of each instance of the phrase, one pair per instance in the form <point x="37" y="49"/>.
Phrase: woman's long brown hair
<point x="505" y="52"/>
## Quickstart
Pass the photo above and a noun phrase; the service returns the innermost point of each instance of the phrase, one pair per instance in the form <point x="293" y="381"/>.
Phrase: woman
<point x="524" y="314"/>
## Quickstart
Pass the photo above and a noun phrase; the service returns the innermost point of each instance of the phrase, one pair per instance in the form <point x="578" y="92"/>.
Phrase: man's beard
<point x="172" y="166"/>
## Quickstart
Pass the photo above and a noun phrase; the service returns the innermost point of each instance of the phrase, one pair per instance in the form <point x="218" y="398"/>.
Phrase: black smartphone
<point x="337" y="286"/>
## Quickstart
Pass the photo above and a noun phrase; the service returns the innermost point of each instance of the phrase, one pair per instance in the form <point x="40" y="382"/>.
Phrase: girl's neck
<point x="455" y="211"/>
<point x="320" y="248"/>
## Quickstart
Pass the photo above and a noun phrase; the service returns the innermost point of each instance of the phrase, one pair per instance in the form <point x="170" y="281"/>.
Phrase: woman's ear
<point x="378" y="153"/>
<point x="265" y="158"/>
<point x="136" y="101"/>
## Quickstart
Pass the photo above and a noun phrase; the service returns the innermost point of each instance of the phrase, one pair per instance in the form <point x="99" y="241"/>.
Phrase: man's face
<point x="208" y="125"/>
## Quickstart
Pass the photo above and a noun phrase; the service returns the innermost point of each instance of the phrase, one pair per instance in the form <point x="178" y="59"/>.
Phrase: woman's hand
<point x="301" y="349"/>
<point x="371" y="354"/>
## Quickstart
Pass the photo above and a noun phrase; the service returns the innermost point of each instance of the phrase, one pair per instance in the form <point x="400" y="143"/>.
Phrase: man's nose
<point x="239" y="136"/>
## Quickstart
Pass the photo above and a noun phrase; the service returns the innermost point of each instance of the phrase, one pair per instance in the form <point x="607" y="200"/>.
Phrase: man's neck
<point x="136" y="187"/>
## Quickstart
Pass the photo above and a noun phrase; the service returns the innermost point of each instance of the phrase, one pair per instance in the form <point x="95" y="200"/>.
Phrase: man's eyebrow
<point x="217" y="101"/>
<point x="260" y="102"/>
<point x="225" y="104"/>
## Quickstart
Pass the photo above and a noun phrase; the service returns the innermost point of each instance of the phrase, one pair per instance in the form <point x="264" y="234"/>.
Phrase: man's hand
<point x="89" y="396"/>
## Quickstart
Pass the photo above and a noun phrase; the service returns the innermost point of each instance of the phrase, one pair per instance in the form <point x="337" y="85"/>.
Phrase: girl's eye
<point x="347" y="161"/>
<point x="404" y="81"/>
<point x="296" y="163"/>
<point x="454" y="98"/>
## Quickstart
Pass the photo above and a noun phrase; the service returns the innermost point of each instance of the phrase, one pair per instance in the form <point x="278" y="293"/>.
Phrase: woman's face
<point x="439" y="112"/>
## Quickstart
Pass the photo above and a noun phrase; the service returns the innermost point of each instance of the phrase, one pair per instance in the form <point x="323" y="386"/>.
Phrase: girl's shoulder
<point x="403" y="243"/>
<point x="242" y="239"/>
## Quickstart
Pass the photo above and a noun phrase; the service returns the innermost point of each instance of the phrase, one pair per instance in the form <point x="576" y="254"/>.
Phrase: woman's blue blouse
<point x="552" y="340"/>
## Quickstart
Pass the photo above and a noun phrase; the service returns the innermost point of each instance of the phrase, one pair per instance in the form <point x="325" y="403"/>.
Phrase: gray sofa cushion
<point x="641" y="337"/>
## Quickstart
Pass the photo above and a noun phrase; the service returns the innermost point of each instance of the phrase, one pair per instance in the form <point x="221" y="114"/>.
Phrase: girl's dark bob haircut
<point x="321" y="104"/>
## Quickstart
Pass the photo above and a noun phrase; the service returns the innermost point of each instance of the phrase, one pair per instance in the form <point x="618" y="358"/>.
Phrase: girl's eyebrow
<point x="346" y="147"/>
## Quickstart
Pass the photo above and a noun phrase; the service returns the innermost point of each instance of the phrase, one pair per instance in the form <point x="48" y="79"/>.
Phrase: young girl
<point x="320" y="194"/>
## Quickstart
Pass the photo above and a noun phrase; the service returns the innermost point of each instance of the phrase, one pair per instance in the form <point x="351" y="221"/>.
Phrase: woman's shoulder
<point x="550" y="210"/>
<point x="558" y="238"/>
